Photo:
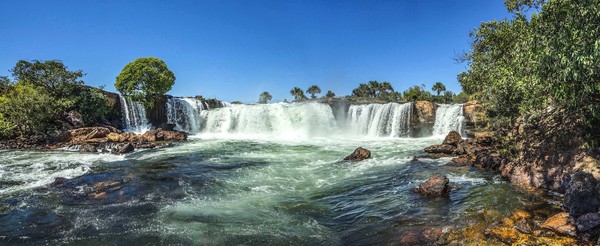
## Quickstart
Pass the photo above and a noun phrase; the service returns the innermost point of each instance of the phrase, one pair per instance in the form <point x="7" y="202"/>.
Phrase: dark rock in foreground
<point x="453" y="138"/>
<point x="359" y="154"/>
<point x="588" y="222"/>
<point x="582" y="195"/>
<point x="436" y="185"/>
<point x="122" y="148"/>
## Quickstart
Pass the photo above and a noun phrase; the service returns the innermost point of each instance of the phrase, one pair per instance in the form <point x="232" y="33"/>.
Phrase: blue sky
<point x="234" y="50"/>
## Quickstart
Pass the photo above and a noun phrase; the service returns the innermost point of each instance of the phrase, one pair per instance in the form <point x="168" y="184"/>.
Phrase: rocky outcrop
<point x="474" y="113"/>
<point x="436" y="185"/>
<point x="75" y="119"/>
<point x="423" y="118"/>
<point x="561" y="223"/>
<point x="359" y="154"/>
<point x="582" y="195"/>
<point x="453" y="138"/>
<point x="122" y="148"/>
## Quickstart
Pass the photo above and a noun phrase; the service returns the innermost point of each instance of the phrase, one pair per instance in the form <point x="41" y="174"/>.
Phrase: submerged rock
<point x="359" y="154"/>
<point x="122" y="148"/>
<point x="582" y="195"/>
<point x="436" y="185"/>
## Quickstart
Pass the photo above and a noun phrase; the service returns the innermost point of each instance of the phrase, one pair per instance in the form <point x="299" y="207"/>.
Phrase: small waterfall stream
<point x="449" y="117"/>
<point x="381" y="120"/>
<point x="134" y="115"/>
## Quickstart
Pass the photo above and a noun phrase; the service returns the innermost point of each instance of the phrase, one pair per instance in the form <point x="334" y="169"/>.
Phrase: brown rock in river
<point x="561" y="223"/>
<point x="122" y="148"/>
<point x="440" y="148"/>
<point x="453" y="138"/>
<point x="116" y="137"/>
<point x="359" y="154"/>
<point x="436" y="185"/>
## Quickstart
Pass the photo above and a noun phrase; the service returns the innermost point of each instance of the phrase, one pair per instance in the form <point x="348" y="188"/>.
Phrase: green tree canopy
<point x="313" y="90"/>
<point x="145" y="79"/>
<point x="25" y="109"/>
<point x="330" y="94"/>
<point x="52" y="75"/>
<point x="264" y="97"/>
<point x="416" y="93"/>
<point x="438" y="87"/>
<point x="374" y="89"/>
<point x="298" y="94"/>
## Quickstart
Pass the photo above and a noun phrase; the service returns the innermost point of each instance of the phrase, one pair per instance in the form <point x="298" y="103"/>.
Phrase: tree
<point x="312" y="90"/>
<point x="4" y="85"/>
<point x="330" y="94"/>
<point x="52" y="75"/>
<point x="438" y="87"/>
<point x="25" y="109"/>
<point x="145" y="80"/>
<point x="264" y="97"/>
<point x="298" y="94"/>
<point x="416" y="93"/>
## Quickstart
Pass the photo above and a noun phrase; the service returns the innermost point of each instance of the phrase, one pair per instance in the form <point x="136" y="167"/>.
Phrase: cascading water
<point x="185" y="113"/>
<point x="134" y="115"/>
<point x="279" y="119"/>
<point x="449" y="117"/>
<point x="381" y="120"/>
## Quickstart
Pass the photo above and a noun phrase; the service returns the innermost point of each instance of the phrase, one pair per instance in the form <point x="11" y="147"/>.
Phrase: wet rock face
<point x="123" y="148"/>
<point x="88" y="148"/>
<point x="423" y="118"/>
<point x="440" y="148"/>
<point x="167" y="126"/>
<point x="453" y="138"/>
<point x="359" y="154"/>
<point x="582" y="195"/>
<point x="436" y="185"/>
<point x="75" y="119"/>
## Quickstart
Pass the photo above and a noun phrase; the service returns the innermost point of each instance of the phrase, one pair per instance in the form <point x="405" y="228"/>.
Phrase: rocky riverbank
<point x="571" y="172"/>
<point x="97" y="139"/>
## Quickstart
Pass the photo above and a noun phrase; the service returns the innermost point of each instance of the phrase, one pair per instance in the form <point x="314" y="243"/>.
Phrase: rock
<point x="440" y="148"/>
<point x="507" y="235"/>
<point x="116" y="137"/>
<point x="75" y="119"/>
<point x="422" y="118"/>
<point x="359" y="154"/>
<point x="453" y="138"/>
<point x="167" y="127"/>
<point x="474" y="113"/>
<point x="582" y="195"/>
<point x="122" y="148"/>
<point x="461" y="160"/>
<point x="58" y="181"/>
<point x="87" y="133"/>
<point x="588" y="222"/>
<point x="173" y="136"/>
<point x="436" y="185"/>
<point x="88" y="148"/>
<point x="100" y="186"/>
<point x="150" y="136"/>
<point x="561" y="223"/>
<point x="64" y="137"/>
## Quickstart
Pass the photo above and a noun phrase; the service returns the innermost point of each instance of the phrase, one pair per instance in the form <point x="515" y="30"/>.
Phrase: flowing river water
<point x="227" y="186"/>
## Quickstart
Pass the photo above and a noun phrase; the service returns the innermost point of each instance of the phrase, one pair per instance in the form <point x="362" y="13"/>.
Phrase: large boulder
<point x="436" y="185"/>
<point x="561" y="223"/>
<point x="88" y="148"/>
<point x="588" y="222"/>
<point x="172" y="135"/>
<point x="359" y="154"/>
<point x="582" y="195"/>
<point x="453" y="138"/>
<point x="75" y="119"/>
<point x="422" y="118"/>
<point x="122" y="148"/>
<point x="116" y="137"/>
<point x="440" y="148"/>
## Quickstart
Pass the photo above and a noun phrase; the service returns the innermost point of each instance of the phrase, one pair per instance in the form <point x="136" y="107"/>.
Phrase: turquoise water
<point x="226" y="190"/>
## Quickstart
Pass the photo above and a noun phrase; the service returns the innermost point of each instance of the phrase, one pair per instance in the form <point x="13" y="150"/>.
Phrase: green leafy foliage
<point x="145" y="80"/>
<point x="329" y="94"/>
<point x="52" y="75"/>
<point x="438" y="87"/>
<point x="526" y="64"/>
<point x="24" y="109"/>
<point x="417" y="93"/>
<point x="298" y="94"/>
<point x="376" y="90"/>
<point x="313" y="90"/>
<point x="264" y="97"/>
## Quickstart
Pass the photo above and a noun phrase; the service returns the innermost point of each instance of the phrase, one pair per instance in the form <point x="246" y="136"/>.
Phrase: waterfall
<point x="449" y="117"/>
<point x="278" y="119"/>
<point x="381" y="120"/>
<point x="185" y="113"/>
<point x="134" y="115"/>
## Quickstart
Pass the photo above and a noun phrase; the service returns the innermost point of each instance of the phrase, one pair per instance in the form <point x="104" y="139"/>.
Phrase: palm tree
<point x="385" y="86"/>
<point x="330" y="94"/>
<point x="374" y="87"/>
<point x="298" y="94"/>
<point x="264" y="97"/>
<point x="438" y="87"/>
<point x="312" y="90"/>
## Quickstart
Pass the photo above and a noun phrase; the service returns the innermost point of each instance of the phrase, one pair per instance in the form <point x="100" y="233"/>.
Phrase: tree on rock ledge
<point x="265" y="97"/>
<point x="145" y="79"/>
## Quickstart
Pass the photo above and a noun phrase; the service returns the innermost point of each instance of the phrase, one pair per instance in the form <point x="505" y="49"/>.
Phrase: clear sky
<point x="234" y="50"/>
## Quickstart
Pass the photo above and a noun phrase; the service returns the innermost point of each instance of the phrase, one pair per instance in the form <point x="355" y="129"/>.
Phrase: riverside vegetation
<point x="534" y="101"/>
